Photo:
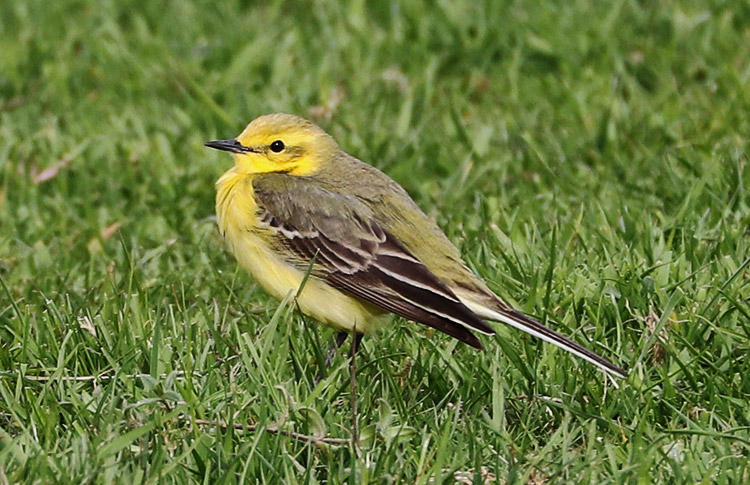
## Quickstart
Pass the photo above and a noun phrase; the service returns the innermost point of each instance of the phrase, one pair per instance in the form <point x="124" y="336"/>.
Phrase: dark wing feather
<point x="354" y="254"/>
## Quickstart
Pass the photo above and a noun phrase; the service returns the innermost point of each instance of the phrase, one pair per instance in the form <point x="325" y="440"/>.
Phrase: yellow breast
<point x="236" y="211"/>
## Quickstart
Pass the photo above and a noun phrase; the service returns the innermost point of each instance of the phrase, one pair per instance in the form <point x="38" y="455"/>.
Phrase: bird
<point x="303" y="216"/>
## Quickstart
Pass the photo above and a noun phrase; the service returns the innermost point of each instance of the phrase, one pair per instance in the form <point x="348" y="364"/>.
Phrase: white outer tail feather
<point x="489" y="314"/>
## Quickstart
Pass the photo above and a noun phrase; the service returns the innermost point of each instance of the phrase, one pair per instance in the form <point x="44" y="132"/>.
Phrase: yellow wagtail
<point x="295" y="202"/>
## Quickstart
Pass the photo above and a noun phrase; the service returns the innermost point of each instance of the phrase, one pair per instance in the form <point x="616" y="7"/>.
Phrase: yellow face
<point x="279" y="143"/>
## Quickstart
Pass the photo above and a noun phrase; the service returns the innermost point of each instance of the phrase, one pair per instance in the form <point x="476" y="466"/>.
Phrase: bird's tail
<point x="527" y="324"/>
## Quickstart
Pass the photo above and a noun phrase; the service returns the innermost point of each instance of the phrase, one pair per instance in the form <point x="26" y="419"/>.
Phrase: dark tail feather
<point x="527" y="324"/>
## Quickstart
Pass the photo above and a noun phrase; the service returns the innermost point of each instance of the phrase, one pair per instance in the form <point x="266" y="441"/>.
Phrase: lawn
<point x="590" y="160"/>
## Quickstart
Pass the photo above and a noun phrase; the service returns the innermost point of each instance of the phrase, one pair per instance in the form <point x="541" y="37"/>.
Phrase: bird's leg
<point x="340" y="339"/>
<point x="356" y="338"/>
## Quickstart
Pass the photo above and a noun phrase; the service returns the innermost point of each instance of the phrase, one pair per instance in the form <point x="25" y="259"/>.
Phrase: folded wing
<point x="354" y="254"/>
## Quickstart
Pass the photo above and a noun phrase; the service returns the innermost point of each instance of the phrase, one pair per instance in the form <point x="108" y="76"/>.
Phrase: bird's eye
<point x="277" y="146"/>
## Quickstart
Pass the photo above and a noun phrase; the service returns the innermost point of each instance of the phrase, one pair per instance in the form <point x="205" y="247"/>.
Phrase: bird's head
<point x="279" y="143"/>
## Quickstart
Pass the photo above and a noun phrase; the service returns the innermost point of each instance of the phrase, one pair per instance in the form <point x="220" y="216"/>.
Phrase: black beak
<point x="228" y="146"/>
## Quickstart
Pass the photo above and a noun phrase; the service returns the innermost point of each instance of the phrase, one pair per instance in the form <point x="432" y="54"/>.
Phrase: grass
<point x="590" y="160"/>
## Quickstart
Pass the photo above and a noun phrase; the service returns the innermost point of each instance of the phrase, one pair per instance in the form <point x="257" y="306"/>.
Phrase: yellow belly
<point x="236" y="215"/>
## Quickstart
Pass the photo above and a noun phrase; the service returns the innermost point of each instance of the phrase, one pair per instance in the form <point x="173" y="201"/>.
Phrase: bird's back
<point x="390" y="204"/>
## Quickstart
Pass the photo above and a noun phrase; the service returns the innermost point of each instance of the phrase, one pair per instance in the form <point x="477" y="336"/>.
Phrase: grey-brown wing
<point x="353" y="253"/>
